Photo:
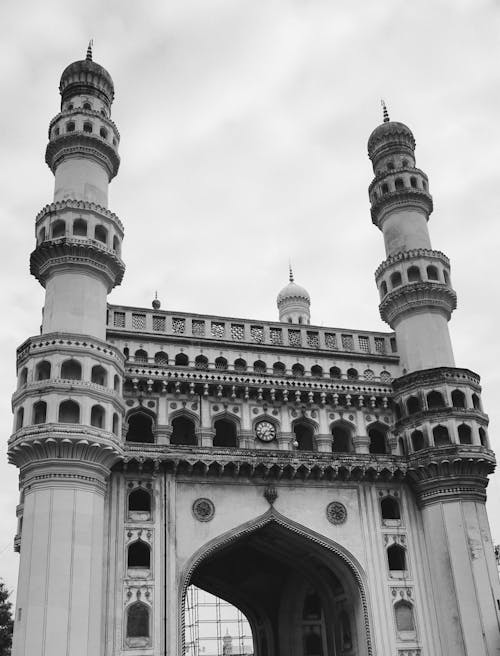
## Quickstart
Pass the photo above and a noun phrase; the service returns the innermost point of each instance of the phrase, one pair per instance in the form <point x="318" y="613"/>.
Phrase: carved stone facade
<point x="329" y="483"/>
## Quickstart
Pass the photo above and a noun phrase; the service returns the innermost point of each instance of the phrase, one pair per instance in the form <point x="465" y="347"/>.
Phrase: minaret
<point x="294" y="303"/>
<point x="68" y="406"/>
<point x="414" y="281"/>
<point x="440" y="422"/>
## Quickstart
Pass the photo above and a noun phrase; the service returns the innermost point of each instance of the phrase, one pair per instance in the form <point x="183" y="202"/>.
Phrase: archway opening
<point x="300" y="596"/>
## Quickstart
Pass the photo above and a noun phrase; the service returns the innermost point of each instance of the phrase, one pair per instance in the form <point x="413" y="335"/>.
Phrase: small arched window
<point x="116" y="244"/>
<point x="441" y="436"/>
<point x="139" y="555"/>
<point x="70" y="126"/>
<point x="417" y="440"/>
<point x="259" y="367"/>
<point x="69" y="412"/>
<point x="97" y="416"/>
<point x="385" y="188"/>
<point x="87" y="105"/>
<point x="161" y="358"/>
<point x="23" y="377"/>
<point x="378" y="442"/>
<point x="458" y="399"/>
<point x="389" y="507"/>
<point x="304" y="436"/>
<point x="352" y="374"/>
<point x="116" y="383"/>
<point x="390" y="166"/>
<point x="221" y="364"/>
<point x="414" y="274"/>
<point x="335" y="372"/>
<point x="201" y="362"/>
<point x="41" y="235"/>
<point x="298" y="370"/>
<point x="126" y="352"/>
<point x="39" y="412"/>
<point x="403" y="612"/>
<point x="71" y="370"/>
<point x="140" y="428"/>
<point x="317" y="371"/>
<point x="116" y="423"/>
<point x="19" y="418"/>
<point x="103" y="133"/>
<point x="483" y="438"/>
<point x="42" y="370"/>
<point x="396" y="279"/>
<point x="476" y="403"/>
<point x="87" y="127"/>
<point x="435" y="400"/>
<point x="80" y="228"/>
<point x="58" y="229"/>
<point x="101" y="234"/>
<point x="181" y="360"/>
<point x="424" y="184"/>
<point x="240" y="364"/>
<point x="413" y="182"/>
<point x="140" y="356"/>
<point x="138" y="620"/>
<point x="399" y="183"/>
<point x="413" y="405"/>
<point x="432" y="273"/>
<point x="383" y="288"/>
<point x="225" y="433"/>
<point x="99" y="375"/>
<point x="396" y="558"/>
<point x="446" y="276"/>
<point x="183" y="431"/>
<point x="279" y="369"/>
<point x="404" y="163"/>
<point x="342" y="440"/>
<point x="139" y="500"/>
<point x="464" y="434"/>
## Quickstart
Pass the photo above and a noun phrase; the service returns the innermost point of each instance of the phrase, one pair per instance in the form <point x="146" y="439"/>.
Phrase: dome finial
<point x="290" y="272"/>
<point x="385" y="112"/>
<point x="89" y="50"/>
<point x="156" y="303"/>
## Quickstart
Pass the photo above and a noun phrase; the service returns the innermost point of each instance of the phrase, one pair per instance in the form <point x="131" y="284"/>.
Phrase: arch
<point x="69" y="412"/>
<point x="385" y="188"/>
<point x="378" y="439"/>
<point x="221" y="363"/>
<point x="464" y="434"/>
<point x="483" y="437"/>
<point x="389" y="507"/>
<point x="403" y="612"/>
<point x="240" y="365"/>
<point x="396" y="558"/>
<point x="139" y="501"/>
<point x="139" y="555"/>
<point x="396" y="279"/>
<point x="441" y="436"/>
<point x="279" y="369"/>
<point x="161" y="358"/>
<point x="383" y="288"/>
<point x="317" y="371"/>
<point x="413" y="274"/>
<point x="99" y="375"/>
<point x="140" y="426"/>
<point x="201" y="362"/>
<point x="458" y="399"/>
<point x="58" y="229"/>
<point x="328" y="567"/>
<point x="402" y="447"/>
<point x="101" y="234"/>
<point x="97" y="416"/>
<point x="335" y="372"/>
<point x="413" y="405"/>
<point x="432" y="272"/>
<point x="116" y="383"/>
<point x="298" y="370"/>
<point x="417" y="440"/>
<point x="259" y="367"/>
<point x="116" y="423"/>
<point x="70" y="125"/>
<point x="103" y="133"/>
<point x="138" y="620"/>
<point x="435" y="400"/>
<point x="80" y="228"/>
<point x="225" y="433"/>
<point x="342" y="438"/>
<point x="183" y="430"/>
<point x="352" y="374"/>
<point x="399" y="183"/>
<point x="304" y="434"/>
<point x="413" y="182"/>
<point x="87" y="105"/>
<point x="88" y="127"/>
<point x="42" y="234"/>
<point x="116" y="244"/>
<point x="140" y="356"/>
<point x="71" y="370"/>
<point x="181" y="360"/>
<point x="23" y="377"/>
<point x="446" y="276"/>
<point x="476" y="402"/>
<point x="19" y="418"/>
<point x="39" y="412"/>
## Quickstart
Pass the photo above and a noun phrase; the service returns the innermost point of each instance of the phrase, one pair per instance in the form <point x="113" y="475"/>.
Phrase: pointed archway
<point x="303" y="594"/>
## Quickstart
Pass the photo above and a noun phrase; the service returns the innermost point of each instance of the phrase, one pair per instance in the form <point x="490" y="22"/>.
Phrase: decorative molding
<point x="412" y="254"/>
<point x="82" y="143"/>
<point x="58" y="343"/>
<point x="406" y="198"/>
<point x="415" y="296"/>
<point x="435" y="376"/>
<point x="79" y="206"/>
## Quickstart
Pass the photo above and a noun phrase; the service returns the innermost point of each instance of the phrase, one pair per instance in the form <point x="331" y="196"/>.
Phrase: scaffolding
<point x="213" y="627"/>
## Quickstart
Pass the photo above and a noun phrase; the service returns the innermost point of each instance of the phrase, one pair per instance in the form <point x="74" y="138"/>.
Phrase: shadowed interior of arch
<point x="300" y="597"/>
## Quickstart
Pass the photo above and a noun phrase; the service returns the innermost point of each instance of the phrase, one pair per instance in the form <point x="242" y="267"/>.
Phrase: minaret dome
<point x="294" y="303"/>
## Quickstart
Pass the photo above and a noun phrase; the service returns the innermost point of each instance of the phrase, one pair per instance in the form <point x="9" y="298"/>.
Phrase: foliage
<point x="6" y="621"/>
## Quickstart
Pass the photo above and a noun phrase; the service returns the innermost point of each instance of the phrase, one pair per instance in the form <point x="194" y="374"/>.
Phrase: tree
<point x="6" y="621"/>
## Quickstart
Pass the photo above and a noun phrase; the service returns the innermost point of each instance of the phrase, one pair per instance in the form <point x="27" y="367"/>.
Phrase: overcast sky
<point x="243" y="142"/>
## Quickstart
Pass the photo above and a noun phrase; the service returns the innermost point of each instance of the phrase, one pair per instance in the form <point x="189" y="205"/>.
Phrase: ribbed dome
<point x="293" y="291"/>
<point x="390" y="132"/>
<point x="85" y="76"/>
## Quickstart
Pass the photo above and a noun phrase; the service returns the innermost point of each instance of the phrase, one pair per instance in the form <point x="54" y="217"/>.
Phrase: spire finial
<point x="385" y="112"/>
<point x="89" y="50"/>
<point x="290" y="274"/>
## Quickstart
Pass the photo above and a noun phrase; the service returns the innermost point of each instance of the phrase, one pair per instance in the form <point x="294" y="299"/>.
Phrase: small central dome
<point x="388" y="135"/>
<point x="293" y="291"/>
<point x="294" y="303"/>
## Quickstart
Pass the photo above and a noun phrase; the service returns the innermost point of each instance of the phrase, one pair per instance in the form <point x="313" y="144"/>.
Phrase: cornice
<point x="82" y="143"/>
<point x="415" y="296"/>
<point x="79" y="206"/>
<point x="416" y="420"/>
<point x="69" y="342"/>
<point x="435" y="376"/>
<point x="407" y="198"/>
<point x="413" y="254"/>
<point x="76" y="388"/>
<point x="68" y="113"/>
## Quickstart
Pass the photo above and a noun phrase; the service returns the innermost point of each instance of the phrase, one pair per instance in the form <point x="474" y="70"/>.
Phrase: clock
<point x="265" y="431"/>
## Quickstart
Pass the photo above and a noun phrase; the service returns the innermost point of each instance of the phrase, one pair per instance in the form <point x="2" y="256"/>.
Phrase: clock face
<point x="265" y="431"/>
